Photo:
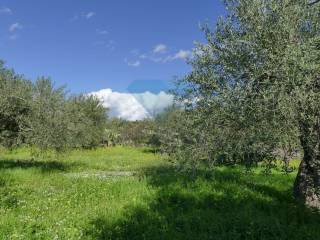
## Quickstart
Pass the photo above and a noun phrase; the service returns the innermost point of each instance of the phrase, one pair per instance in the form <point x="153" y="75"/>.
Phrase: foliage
<point x="180" y="136"/>
<point x="45" y="117"/>
<point x="131" y="133"/>
<point x="48" y="122"/>
<point x="15" y="95"/>
<point x="254" y="86"/>
<point x="87" y="121"/>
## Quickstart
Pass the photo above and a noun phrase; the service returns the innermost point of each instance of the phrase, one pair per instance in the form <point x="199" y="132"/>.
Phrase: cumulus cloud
<point x="133" y="107"/>
<point x="154" y="103"/>
<point x="160" y="48"/>
<point x="5" y="10"/>
<point x="14" y="27"/>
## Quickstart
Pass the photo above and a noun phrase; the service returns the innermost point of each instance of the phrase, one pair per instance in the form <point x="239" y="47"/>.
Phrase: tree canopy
<point x="254" y="88"/>
<point x="40" y="115"/>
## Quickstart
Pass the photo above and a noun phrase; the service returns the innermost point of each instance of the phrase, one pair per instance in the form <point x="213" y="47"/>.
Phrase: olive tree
<point x="87" y="120"/>
<point x="47" y="123"/>
<point x="256" y="82"/>
<point x="15" y="96"/>
<point x="45" y="117"/>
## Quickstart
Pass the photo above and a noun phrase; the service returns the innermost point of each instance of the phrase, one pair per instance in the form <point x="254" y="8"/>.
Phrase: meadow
<point x="132" y="193"/>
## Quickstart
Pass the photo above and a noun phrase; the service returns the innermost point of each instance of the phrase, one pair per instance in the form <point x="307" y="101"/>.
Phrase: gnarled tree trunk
<point x="307" y="183"/>
<point x="306" y="187"/>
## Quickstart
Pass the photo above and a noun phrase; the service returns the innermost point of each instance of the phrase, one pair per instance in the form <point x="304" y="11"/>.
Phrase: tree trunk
<point x="306" y="187"/>
<point x="307" y="183"/>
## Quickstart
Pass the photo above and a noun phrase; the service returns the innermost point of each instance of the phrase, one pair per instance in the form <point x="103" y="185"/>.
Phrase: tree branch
<point x="314" y="2"/>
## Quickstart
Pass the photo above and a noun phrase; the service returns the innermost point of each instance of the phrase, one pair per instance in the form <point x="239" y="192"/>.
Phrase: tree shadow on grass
<point x="213" y="205"/>
<point x="150" y="150"/>
<point x="44" y="166"/>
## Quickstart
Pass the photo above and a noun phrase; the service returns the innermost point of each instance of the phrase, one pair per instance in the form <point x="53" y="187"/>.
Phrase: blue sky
<point x="90" y="45"/>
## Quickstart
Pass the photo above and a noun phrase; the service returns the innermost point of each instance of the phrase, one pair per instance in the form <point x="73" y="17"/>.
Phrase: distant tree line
<point x="131" y="133"/>
<point x="38" y="114"/>
<point x="44" y="117"/>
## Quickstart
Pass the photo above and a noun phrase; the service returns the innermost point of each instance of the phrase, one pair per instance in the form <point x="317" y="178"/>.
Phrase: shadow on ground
<point x="151" y="150"/>
<point x="45" y="166"/>
<point x="213" y="205"/>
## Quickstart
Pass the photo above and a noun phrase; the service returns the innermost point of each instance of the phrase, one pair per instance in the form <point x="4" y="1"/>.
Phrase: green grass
<point x="75" y="197"/>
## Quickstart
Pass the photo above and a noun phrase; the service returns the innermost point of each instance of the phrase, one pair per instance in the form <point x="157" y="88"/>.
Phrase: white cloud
<point x="182" y="55"/>
<point x="160" y="48"/>
<point x="133" y="106"/>
<point x="134" y="63"/>
<point x="159" y="54"/>
<point x="83" y="15"/>
<point x="5" y="10"/>
<point x="154" y="103"/>
<point x="149" y="57"/>
<point x="88" y="15"/>
<point x="14" y="27"/>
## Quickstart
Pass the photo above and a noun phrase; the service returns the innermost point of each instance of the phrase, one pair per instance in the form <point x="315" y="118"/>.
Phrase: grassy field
<point x="130" y="193"/>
